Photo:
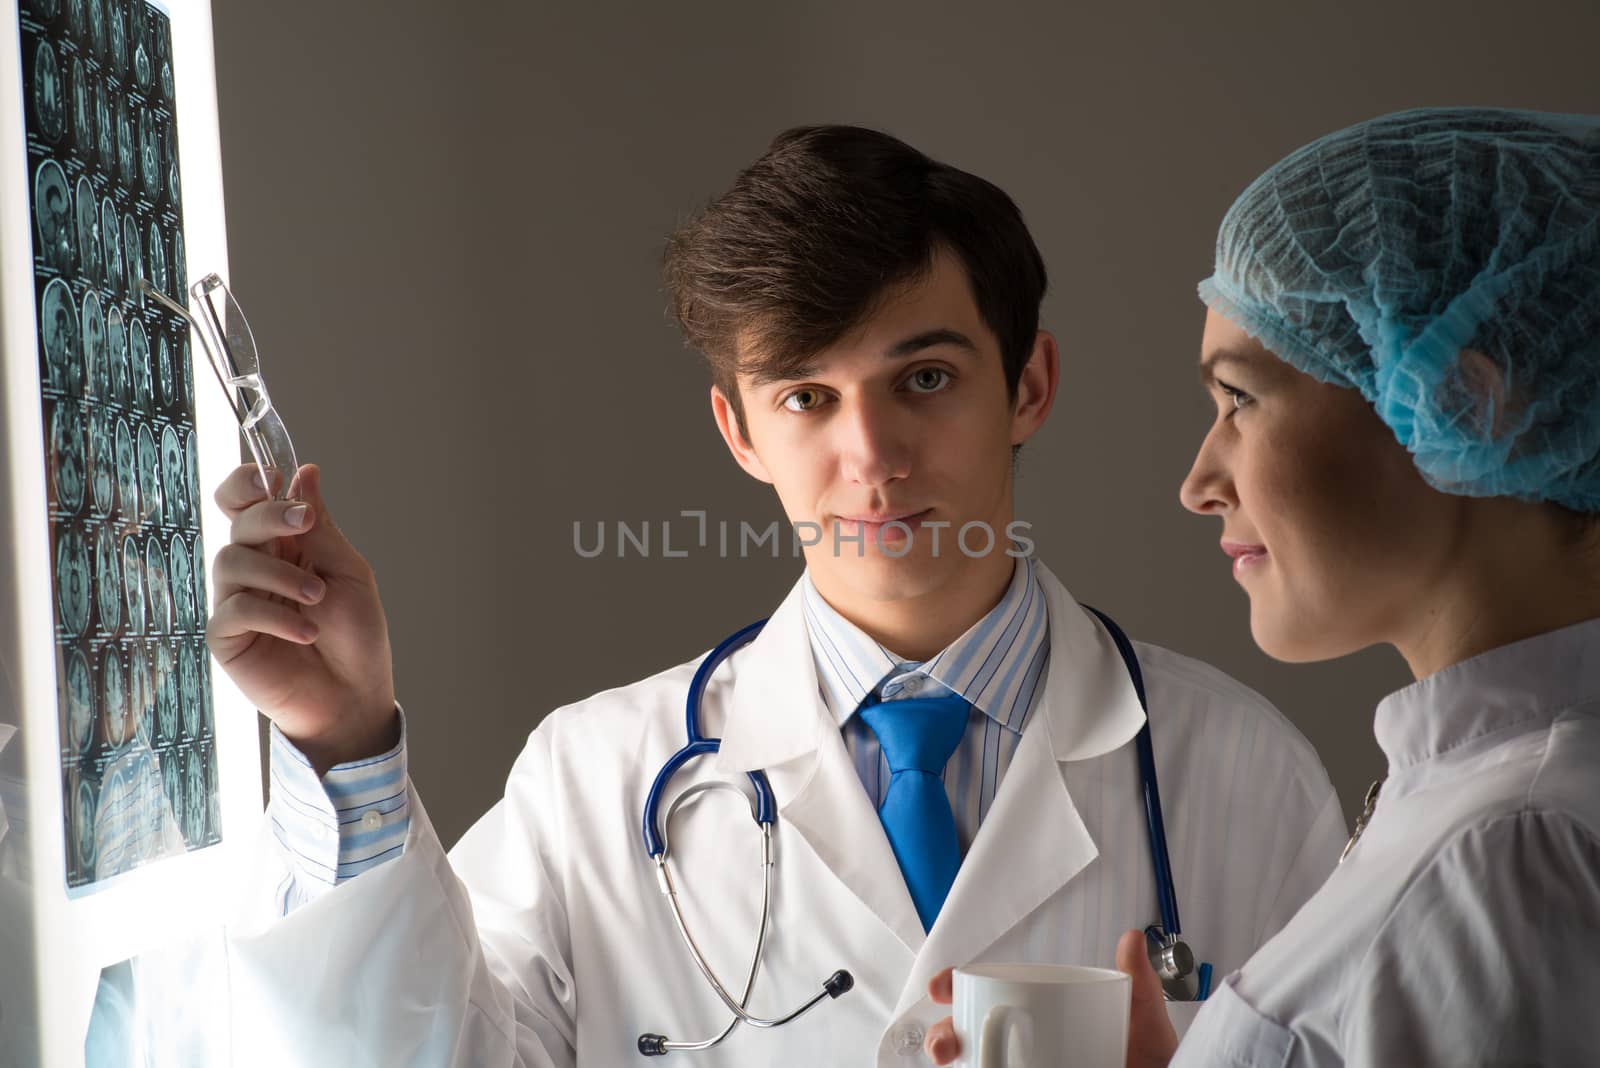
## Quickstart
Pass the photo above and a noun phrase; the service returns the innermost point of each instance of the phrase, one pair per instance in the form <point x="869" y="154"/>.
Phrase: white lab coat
<point x="1463" y="928"/>
<point x="542" y="939"/>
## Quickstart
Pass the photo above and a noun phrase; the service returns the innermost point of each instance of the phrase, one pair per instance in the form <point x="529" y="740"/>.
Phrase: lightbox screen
<point x="117" y="395"/>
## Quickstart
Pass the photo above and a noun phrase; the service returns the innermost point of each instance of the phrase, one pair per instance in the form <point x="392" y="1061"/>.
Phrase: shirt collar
<point x="995" y="665"/>
<point x="1515" y="688"/>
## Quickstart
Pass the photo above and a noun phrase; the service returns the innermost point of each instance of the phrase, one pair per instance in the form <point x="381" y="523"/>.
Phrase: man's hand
<point x="1151" y="1039"/>
<point x="941" y="1044"/>
<point x="298" y="625"/>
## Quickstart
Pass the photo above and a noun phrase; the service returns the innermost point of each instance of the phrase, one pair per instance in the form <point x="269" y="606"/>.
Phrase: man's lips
<point x="872" y="524"/>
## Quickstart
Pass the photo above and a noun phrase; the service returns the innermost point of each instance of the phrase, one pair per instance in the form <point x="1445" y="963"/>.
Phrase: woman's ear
<point x="1489" y="404"/>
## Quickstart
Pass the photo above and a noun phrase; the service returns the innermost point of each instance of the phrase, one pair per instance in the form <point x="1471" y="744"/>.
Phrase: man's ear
<point x="728" y="425"/>
<point x="1036" y="388"/>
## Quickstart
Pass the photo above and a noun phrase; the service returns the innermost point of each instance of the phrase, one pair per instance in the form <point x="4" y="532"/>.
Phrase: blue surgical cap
<point x="1382" y="256"/>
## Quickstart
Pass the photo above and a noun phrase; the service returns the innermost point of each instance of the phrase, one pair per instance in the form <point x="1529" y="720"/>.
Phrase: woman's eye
<point x="928" y="379"/>
<point x="803" y="400"/>
<point x="1239" y="397"/>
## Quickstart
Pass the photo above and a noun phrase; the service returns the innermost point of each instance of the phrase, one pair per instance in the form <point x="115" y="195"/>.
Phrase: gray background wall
<point x="445" y="222"/>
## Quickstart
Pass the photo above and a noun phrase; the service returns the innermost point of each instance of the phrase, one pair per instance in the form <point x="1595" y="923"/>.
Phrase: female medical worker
<point x="1403" y="344"/>
<point x="872" y="320"/>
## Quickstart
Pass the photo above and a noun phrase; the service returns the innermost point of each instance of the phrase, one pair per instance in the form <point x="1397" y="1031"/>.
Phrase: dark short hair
<point x="813" y="234"/>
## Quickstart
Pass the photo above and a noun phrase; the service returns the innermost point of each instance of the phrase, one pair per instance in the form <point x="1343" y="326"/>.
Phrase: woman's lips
<point x="1245" y="556"/>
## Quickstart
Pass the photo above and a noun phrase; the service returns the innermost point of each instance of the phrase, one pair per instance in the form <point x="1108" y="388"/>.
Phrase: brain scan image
<point x="117" y="357"/>
<point x="105" y="126"/>
<point x="127" y="473"/>
<point x="102" y="465"/>
<point x="132" y="256"/>
<point x="108" y="580"/>
<point x="194" y="799"/>
<point x="191" y="471"/>
<point x="150" y="166"/>
<point x="139" y="358"/>
<point x="49" y="95"/>
<point x="141" y="693"/>
<point x="58" y="320"/>
<point x="53" y="215"/>
<point x="111" y="244"/>
<point x="133" y="584"/>
<point x="127" y="166"/>
<point x="182" y="588"/>
<point x="139" y="361"/>
<point x="117" y="29"/>
<point x="120" y="460"/>
<point x="172" y="780"/>
<point x="114" y="697"/>
<point x="79" y="699"/>
<point x="88" y="231"/>
<point x="72" y="582"/>
<point x="169" y="391"/>
<point x="67" y="462"/>
<point x="158" y="599"/>
<point x="83" y="813"/>
<point x="189" y="684"/>
<point x="172" y="477"/>
<point x="199" y="572"/>
<point x="149" y="475"/>
<point x="166" y="715"/>
<point x="97" y="368"/>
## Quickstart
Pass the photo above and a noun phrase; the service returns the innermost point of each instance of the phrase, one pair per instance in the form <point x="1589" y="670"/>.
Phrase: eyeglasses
<point x="231" y="349"/>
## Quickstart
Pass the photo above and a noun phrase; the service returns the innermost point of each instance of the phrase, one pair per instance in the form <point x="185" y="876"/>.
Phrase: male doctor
<point x="949" y="736"/>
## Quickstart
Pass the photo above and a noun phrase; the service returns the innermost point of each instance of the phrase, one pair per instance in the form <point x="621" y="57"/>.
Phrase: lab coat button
<point x="909" y="1040"/>
<point x="372" y="820"/>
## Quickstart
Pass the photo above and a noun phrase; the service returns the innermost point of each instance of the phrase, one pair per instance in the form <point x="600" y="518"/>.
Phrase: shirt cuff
<point x="334" y="828"/>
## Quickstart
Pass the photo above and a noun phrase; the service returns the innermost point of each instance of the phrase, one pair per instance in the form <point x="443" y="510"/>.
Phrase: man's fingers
<point x="240" y="567"/>
<point x="265" y="520"/>
<point x="1133" y="957"/>
<point x="241" y="489"/>
<point x="941" y="1045"/>
<point x="941" y="988"/>
<point x="239" y="619"/>
<point x="324" y="541"/>
<point x="1151" y="1038"/>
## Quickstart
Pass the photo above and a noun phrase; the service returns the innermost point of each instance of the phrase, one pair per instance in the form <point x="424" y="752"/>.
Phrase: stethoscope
<point x="1169" y="954"/>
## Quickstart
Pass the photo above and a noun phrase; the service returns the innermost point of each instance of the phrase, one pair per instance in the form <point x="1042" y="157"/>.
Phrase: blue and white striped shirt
<point x="996" y="665"/>
<point x="334" y="828"/>
<point x="356" y="816"/>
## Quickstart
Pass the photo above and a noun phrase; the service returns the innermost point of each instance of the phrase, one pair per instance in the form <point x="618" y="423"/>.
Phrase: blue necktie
<point x="918" y="736"/>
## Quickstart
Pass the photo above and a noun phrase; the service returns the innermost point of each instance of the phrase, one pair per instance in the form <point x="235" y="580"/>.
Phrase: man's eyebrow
<point x="899" y="350"/>
<point x="928" y="339"/>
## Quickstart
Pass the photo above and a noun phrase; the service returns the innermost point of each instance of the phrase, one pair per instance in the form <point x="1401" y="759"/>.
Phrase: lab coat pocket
<point x="1228" y="1033"/>
<point x="1182" y="1014"/>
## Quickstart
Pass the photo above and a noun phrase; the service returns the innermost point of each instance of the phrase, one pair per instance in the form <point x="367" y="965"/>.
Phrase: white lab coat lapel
<point x="777" y="721"/>
<point x="1033" y="841"/>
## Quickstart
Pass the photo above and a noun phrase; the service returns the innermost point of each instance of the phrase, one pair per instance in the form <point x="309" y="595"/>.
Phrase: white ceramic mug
<point x="1037" y="1015"/>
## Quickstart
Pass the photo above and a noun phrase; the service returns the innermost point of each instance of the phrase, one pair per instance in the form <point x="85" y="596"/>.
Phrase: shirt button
<point x="890" y="689"/>
<point x="372" y="820"/>
<point x="909" y="1040"/>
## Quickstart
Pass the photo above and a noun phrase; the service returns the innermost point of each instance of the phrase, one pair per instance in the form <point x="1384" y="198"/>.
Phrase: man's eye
<point x="929" y="379"/>
<point x="803" y="400"/>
